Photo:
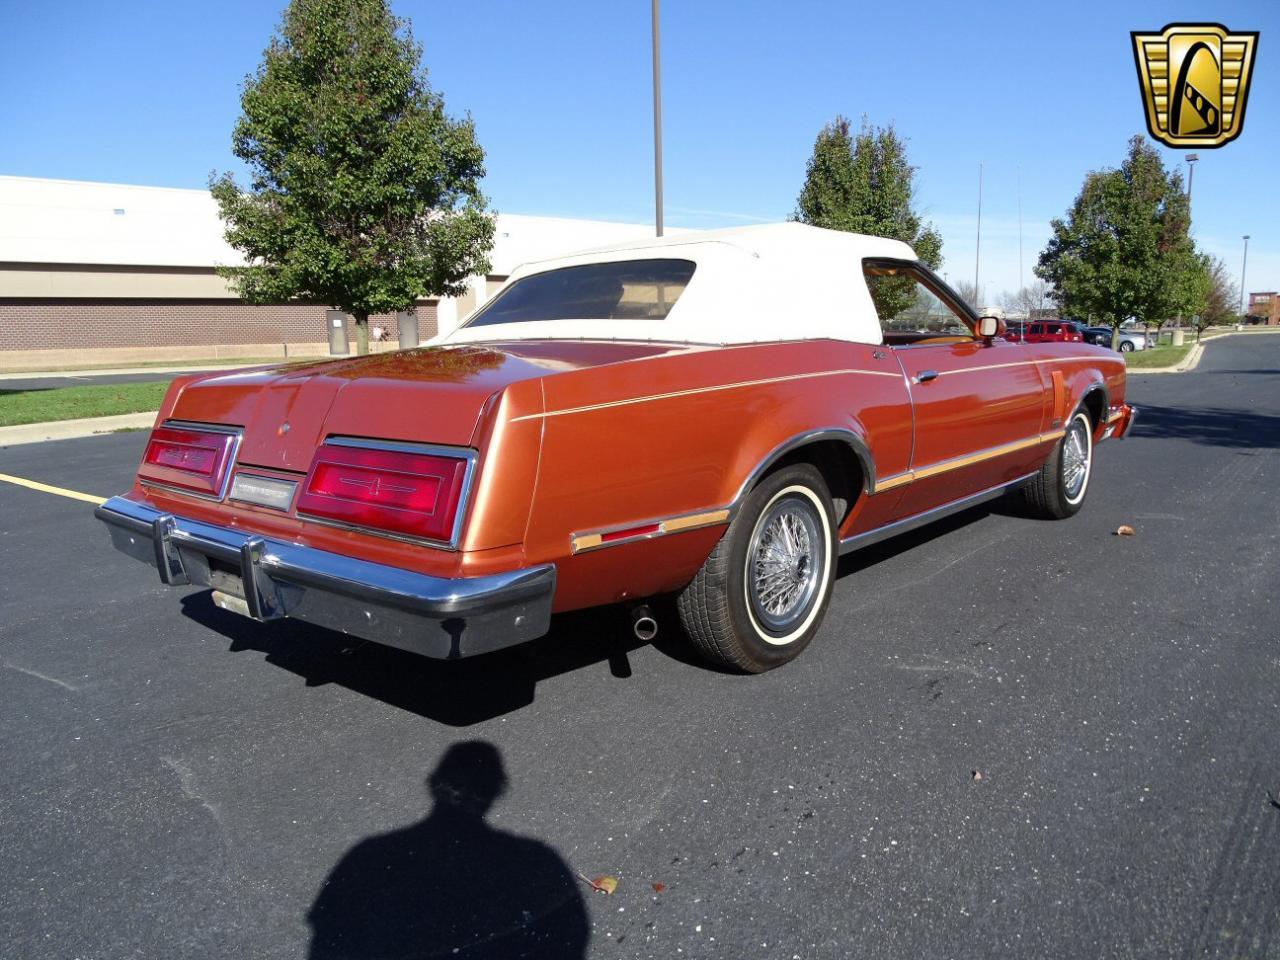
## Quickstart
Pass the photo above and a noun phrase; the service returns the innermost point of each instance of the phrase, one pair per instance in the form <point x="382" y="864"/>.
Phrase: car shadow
<point x="1217" y="427"/>
<point x="452" y="885"/>
<point x="457" y="693"/>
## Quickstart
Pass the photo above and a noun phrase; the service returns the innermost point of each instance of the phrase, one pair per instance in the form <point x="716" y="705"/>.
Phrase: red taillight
<point x="415" y="494"/>
<point x="194" y="460"/>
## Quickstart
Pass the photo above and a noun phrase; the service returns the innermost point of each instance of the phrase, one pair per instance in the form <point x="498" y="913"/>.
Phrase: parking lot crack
<point x="42" y="676"/>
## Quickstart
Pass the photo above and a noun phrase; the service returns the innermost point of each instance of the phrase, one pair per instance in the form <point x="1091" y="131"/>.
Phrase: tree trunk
<point x="1115" y="337"/>
<point x="362" y="333"/>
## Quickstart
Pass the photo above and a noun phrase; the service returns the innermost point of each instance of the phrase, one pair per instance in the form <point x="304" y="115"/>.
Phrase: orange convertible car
<point x="718" y="415"/>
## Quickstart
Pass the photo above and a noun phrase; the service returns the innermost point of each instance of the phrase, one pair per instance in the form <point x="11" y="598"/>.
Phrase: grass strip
<point x="1157" y="357"/>
<point x="71" y="403"/>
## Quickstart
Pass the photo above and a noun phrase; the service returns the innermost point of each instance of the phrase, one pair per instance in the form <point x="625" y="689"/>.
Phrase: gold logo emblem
<point x="1195" y="82"/>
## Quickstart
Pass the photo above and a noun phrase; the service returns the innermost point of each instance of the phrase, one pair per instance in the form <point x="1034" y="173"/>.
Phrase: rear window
<point x="625" y="290"/>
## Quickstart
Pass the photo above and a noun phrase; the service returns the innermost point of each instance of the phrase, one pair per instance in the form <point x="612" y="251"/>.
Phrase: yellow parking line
<point x="46" y="488"/>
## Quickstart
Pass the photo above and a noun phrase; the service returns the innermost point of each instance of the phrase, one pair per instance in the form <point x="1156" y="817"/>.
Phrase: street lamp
<point x="977" y="250"/>
<point x="1191" y="159"/>
<point x="1243" y="263"/>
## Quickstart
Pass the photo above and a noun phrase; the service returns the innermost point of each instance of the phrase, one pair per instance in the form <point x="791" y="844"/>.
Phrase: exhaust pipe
<point x="643" y="625"/>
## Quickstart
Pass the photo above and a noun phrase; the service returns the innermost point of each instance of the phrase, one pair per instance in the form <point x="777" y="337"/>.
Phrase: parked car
<point x="1131" y="338"/>
<point x="668" y="416"/>
<point x="1050" y="331"/>
<point x="1014" y="330"/>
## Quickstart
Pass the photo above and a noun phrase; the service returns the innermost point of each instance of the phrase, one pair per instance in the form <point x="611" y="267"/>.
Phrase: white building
<point x="100" y="273"/>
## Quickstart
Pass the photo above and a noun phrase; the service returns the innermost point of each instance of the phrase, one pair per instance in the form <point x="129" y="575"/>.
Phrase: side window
<point x="907" y="305"/>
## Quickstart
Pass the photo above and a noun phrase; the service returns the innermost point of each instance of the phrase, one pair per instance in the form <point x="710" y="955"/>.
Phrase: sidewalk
<point x="118" y="371"/>
<point x="69" y="429"/>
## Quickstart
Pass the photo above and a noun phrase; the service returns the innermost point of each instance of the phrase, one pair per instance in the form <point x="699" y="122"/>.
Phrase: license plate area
<point x="226" y="579"/>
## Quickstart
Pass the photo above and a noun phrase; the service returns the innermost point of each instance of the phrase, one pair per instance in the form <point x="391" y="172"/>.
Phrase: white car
<point x="1132" y="338"/>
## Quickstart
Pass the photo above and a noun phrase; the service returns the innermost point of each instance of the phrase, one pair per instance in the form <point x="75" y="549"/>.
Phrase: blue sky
<point x="1040" y="93"/>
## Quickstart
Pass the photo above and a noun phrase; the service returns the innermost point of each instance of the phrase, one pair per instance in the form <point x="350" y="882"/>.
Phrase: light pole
<point x="977" y="250"/>
<point x="657" y="121"/>
<point x="1243" y="263"/>
<point x="1191" y="159"/>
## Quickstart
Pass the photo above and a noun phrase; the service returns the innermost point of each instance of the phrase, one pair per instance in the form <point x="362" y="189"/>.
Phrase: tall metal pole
<point x="1243" y="264"/>
<point x="977" y="252"/>
<point x="657" y="121"/>
<point x="1191" y="159"/>
<point x="1019" y="231"/>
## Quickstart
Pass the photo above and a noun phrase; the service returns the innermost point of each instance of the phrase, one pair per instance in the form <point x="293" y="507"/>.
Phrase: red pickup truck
<point x="1046" y="331"/>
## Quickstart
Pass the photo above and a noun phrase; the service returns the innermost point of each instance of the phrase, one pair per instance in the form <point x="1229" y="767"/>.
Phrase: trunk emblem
<point x="284" y="428"/>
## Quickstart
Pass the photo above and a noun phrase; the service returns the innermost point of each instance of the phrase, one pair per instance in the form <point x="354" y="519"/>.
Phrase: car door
<point x="977" y="402"/>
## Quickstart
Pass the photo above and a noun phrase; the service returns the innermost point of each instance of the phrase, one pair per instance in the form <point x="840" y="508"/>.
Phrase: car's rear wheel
<point x="1059" y="489"/>
<point x="1126" y="346"/>
<point x="760" y="597"/>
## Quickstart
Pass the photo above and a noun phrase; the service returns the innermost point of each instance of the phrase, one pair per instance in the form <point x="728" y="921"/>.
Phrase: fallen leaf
<point x="658" y="887"/>
<point x="977" y="774"/>
<point x="1124" y="530"/>
<point x="605" y="884"/>
<point x="600" y="884"/>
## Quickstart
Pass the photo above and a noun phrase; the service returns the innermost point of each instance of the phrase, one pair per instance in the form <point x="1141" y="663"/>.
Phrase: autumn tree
<point x="1221" y="298"/>
<point x="363" y="194"/>
<point x="865" y="184"/>
<point x="1123" y="251"/>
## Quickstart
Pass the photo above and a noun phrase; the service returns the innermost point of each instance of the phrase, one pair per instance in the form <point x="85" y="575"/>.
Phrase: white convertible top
<point x="778" y="281"/>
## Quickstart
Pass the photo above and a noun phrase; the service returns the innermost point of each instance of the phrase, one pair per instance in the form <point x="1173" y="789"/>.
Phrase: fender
<point x="843" y="434"/>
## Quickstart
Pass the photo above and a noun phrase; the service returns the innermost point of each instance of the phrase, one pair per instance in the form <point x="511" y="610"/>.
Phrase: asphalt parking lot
<point x="180" y="782"/>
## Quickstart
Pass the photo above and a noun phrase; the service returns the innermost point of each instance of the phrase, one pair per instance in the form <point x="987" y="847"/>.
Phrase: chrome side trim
<point x="397" y="446"/>
<point x="860" y="540"/>
<point x="594" y="539"/>
<point x="439" y="617"/>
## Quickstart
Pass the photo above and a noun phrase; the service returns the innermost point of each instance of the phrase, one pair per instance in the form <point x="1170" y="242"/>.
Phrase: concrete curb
<point x="1189" y="362"/>
<point x="68" y="429"/>
<point x="1192" y="359"/>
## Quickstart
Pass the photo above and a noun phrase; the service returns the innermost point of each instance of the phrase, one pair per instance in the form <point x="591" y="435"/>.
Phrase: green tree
<point x="865" y="184"/>
<point x="364" y="194"/>
<point x="1123" y="251"/>
<point x="1221" y="299"/>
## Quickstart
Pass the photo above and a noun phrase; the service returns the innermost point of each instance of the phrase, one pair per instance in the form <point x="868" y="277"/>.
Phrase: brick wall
<point x="76" y="325"/>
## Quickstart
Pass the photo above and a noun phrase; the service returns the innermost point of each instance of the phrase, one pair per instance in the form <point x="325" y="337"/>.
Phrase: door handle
<point x="924" y="376"/>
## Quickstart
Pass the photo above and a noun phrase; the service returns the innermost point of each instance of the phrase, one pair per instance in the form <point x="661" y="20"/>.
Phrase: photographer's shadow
<point x="451" y="885"/>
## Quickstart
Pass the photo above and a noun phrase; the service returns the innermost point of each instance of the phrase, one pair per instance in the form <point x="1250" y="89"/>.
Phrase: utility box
<point x="407" y="321"/>
<point x="337" y="323"/>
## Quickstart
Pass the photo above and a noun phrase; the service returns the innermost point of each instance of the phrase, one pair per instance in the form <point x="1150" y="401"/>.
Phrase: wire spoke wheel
<point x="1076" y="454"/>
<point x="785" y="563"/>
<point x="1075" y="460"/>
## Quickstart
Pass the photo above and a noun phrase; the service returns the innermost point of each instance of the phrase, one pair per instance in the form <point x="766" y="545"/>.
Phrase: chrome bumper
<point x="1121" y="425"/>
<point x="270" y="579"/>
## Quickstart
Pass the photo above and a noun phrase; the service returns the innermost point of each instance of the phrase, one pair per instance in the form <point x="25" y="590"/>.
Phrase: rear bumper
<point x="271" y="579"/>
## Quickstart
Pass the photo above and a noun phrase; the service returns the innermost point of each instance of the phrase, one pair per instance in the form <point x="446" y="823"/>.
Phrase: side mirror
<point x="989" y="327"/>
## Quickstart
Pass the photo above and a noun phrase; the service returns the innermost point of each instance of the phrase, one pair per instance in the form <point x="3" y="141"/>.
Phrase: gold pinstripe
<point x="944" y="466"/>
<point x="700" y="390"/>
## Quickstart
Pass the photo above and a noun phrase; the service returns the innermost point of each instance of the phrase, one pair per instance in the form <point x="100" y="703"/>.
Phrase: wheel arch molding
<point x="821" y="442"/>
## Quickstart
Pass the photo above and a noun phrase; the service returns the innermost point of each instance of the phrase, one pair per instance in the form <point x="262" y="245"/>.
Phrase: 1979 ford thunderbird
<point x="718" y="415"/>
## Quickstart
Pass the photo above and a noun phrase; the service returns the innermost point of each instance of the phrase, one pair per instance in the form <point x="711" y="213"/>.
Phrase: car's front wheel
<point x="1059" y="489"/>
<point x="760" y="597"/>
<point x="1126" y="346"/>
